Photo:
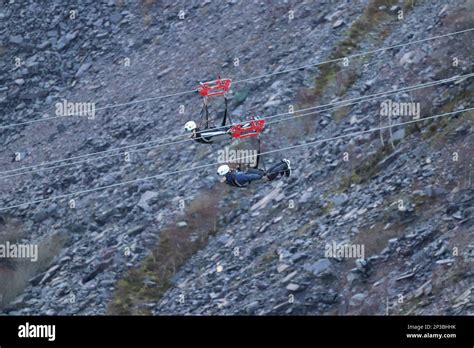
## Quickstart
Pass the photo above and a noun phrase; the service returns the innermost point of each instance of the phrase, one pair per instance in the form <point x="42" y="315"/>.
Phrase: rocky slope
<point x="409" y="205"/>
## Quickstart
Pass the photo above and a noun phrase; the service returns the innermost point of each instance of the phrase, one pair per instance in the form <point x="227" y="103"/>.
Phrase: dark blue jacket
<point x="241" y="179"/>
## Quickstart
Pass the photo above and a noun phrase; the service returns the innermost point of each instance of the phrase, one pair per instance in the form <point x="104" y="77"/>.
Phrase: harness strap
<point x="226" y="113"/>
<point x="236" y="183"/>
<point x="206" y="115"/>
<point x="206" y="111"/>
<point x="258" y="157"/>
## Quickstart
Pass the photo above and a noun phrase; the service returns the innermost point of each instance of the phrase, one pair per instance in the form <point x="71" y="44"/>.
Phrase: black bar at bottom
<point x="353" y="330"/>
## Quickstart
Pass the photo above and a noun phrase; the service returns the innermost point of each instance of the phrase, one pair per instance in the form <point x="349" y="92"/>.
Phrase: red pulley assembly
<point x="213" y="88"/>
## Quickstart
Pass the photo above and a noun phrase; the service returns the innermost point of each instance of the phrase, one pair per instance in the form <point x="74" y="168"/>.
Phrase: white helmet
<point x="190" y="126"/>
<point x="223" y="170"/>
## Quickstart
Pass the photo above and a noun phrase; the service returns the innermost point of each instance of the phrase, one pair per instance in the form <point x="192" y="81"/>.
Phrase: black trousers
<point x="276" y="170"/>
<point x="272" y="173"/>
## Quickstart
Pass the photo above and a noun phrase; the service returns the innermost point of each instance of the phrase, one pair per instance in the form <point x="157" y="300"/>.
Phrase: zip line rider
<point x="207" y="133"/>
<point x="239" y="178"/>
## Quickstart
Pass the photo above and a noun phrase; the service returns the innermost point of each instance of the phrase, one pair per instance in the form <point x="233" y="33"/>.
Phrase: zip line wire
<point x="109" y="106"/>
<point x="355" y="55"/>
<point x="342" y="102"/>
<point x="72" y="194"/>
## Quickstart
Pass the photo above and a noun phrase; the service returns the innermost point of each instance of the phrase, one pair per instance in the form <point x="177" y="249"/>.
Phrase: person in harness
<point x="207" y="133"/>
<point x="239" y="178"/>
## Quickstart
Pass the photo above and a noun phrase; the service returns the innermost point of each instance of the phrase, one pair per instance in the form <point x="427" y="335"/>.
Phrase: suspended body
<point x="239" y="178"/>
<point x="206" y="132"/>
